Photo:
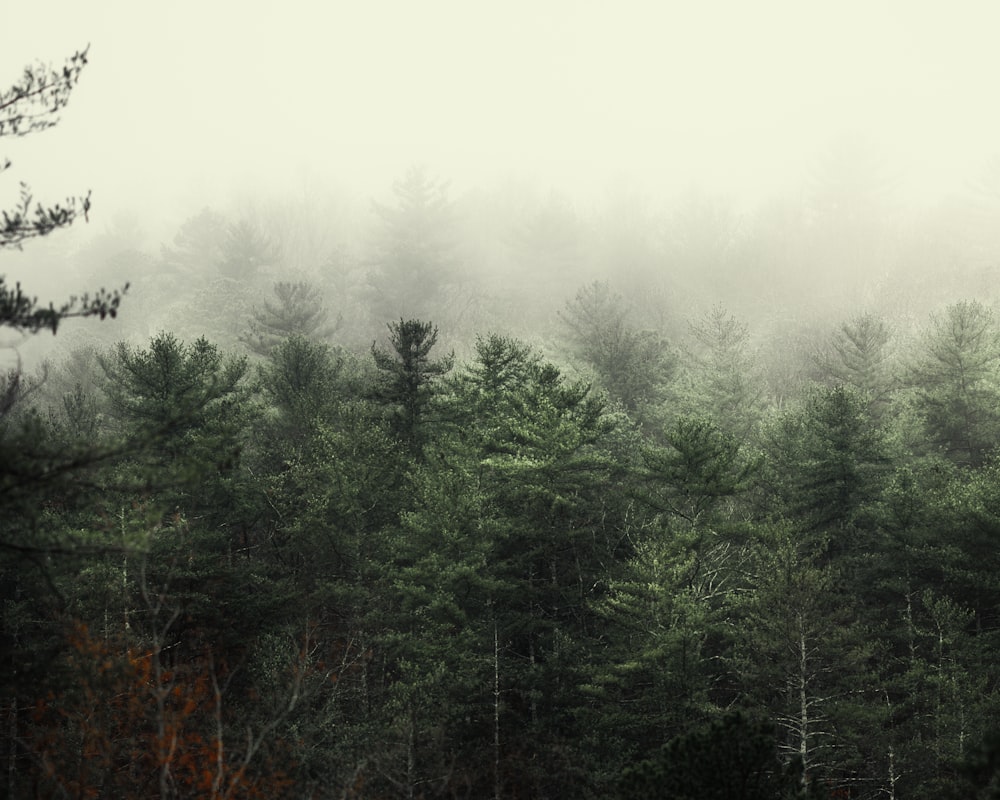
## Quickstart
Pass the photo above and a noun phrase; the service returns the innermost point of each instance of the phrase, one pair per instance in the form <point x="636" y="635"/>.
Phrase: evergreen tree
<point x="801" y="656"/>
<point x="533" y="444"/>
<point x="633" y="365"/>
<point x="197" y="247"/>
<point x="186" y="405"/>
<point x="407" y="377"/>
<point x="828" y="460"/>
<point x="697" y="469"/>
<point x="299" y="311"/>
<point x="956" y="382"/>
<point x="247" y="251"/>
<point x="719" y="376"/>
<point x="735" y="758"/>
<point x="414" y="263"/>
<point x="859" y="356"/>
<point x="300" y="382"/>
<point x="30" y="105"/>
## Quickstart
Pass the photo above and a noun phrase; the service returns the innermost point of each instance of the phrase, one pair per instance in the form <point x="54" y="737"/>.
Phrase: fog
<point x="210" y="99"/>
<point x="635" y="111"/>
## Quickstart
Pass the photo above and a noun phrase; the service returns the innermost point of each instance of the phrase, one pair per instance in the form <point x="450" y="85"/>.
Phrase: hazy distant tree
<point x="298" y="310"/>
<point x="699" y="238"/>
<point x="627" y="245"/>
<point x="72" y="387"/>
<point x="701" y="230"/>
<point x="246" y="251"/>
<point x="858" y="356"/>
<point x="216" y="268"/>
<point x="632" y="364"/>
<point x="548" y="248"/>
<point x="550" y="238"/>
<point x="957" y="380"/>
<point x="848" y="186"/>
<point x="197" y="247"/>
<point x="186" y="267"/>
<point x="720" y="377"/>
<point x="414" y="259"/>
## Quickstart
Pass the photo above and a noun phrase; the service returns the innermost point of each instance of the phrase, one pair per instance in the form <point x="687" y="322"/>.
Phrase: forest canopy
<point x="385" y="518"/>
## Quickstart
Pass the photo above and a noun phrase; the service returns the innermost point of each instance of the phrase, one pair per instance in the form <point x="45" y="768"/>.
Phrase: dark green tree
<point x="407" y="377"/>
<point x="535" y="447"/>
<point x="184" y="405"/>
<point x="697" y="469"/>
<point x="801" y="657"/>
<point x="828" y="459"/>
<point x="300" y="382"/>
<point x="197" y="247"/>
<point x="668" y="611"/>
<point x="980" y="772"/>
<point x="735" y="758"/>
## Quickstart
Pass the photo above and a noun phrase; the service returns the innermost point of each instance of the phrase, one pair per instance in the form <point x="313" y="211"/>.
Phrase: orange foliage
<point x="128" y="729"/>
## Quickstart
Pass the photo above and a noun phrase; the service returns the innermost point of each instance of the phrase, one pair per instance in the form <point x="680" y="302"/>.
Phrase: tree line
<point x="398" y="574"/>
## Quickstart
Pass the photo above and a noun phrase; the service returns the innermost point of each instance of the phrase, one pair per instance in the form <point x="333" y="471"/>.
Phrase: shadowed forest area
<point x="497" y="496"/>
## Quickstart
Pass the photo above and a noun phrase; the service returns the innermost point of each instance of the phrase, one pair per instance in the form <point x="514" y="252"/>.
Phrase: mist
<point x="786" y="161"/>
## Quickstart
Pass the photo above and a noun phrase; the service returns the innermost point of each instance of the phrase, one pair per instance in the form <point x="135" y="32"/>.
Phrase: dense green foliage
<point x="396" y="574"/>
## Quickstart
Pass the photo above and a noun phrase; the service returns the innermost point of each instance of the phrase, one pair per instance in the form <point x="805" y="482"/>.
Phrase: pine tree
<point x="633" y="365"/>
<point x="299" y="311"/>
<point x="956" y="380"/>
<point x="859" y="356"/>
<point x="407" y="377"/>
<point x="31" y="105"/>
<point x="414" y="253"/>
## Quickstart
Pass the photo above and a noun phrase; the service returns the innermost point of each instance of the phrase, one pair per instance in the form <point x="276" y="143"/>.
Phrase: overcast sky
<point x="197" y="101"/>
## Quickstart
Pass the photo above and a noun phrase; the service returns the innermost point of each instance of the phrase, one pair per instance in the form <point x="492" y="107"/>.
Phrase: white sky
<point x="197" y="101"/>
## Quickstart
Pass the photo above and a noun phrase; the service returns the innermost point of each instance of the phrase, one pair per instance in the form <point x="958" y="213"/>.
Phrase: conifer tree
<point x="633" y="365"/>
<point x="414" y="263"/>
<point x="407" y="376"/>
<point x="956" y="380"/>
<point x="30" y="105"/>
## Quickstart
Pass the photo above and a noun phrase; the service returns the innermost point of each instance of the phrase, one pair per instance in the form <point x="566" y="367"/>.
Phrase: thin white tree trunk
<point x="496" y="711"/>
